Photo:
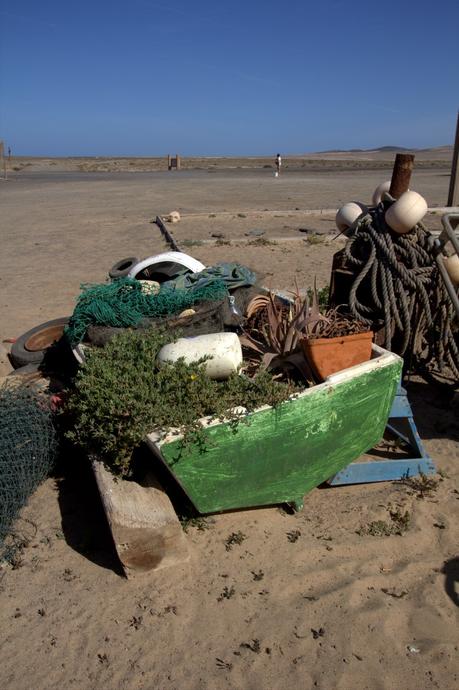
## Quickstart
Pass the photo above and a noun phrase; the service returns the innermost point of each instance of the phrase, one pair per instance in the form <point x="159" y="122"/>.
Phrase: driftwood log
<point x="145" y="529"/>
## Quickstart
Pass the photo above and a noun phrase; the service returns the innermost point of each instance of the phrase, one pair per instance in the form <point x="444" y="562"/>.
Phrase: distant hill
<point x="387" y="149"/>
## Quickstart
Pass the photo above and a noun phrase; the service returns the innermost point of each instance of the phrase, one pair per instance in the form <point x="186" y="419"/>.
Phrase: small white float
<point x="348" y="214"/>
<point x="406" y="212"/>
<point x="379" y="191"/>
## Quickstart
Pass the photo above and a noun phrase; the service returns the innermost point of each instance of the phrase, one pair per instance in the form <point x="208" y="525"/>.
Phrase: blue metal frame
<point x="401" y="424"/>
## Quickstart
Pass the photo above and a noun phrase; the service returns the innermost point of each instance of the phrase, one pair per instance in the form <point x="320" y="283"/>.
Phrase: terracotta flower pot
<point x="329" y="355"/>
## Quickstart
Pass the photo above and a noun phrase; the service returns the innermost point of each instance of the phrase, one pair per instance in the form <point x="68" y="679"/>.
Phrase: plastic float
<point x="348" y="214"/>
<point x="224" y="350"/>
<point x="379" y="191"/>
<point x="406" y="212"/>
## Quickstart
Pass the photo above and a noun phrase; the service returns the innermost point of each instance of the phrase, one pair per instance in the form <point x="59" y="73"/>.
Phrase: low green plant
<point x="262" y="242"/>
<point x="399" y="524"/>
<point x="314" y="239"/>
<point x="120" y="395"/>
<point x="323" y="296"/>
<point x="234" y="538"/>
<point x="192" y="243"/>
<point x="422" y="486"/>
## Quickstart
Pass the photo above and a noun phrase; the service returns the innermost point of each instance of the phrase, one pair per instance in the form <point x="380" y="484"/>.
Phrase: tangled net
<point x="398" y="283"/>
<point x="123" y="304"/>
<point x="27" y="451"/>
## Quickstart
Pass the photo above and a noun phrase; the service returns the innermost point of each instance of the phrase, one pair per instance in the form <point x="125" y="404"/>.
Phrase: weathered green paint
<point x="285" y="452"/>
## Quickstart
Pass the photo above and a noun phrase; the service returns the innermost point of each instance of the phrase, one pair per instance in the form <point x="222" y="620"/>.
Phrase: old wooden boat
<point x="280" y="454"/>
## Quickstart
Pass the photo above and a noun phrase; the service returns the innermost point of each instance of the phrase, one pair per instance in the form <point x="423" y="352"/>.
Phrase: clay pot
<point x="329" y="355"/>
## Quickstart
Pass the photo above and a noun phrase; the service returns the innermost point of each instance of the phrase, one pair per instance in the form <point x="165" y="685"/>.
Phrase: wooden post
<point x="3" y="160"/>
<point x="453" y="193"/>
<point x="169" y="163"/>
<point x="401" y="174"/>
<point x="177" y="159"/>
<point x="145" y="528"/>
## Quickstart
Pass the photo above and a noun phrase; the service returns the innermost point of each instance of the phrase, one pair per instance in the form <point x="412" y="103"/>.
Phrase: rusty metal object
<point x="167" y="235"/>
<point x="45" y="338"/>
<point x="401" y="174"/>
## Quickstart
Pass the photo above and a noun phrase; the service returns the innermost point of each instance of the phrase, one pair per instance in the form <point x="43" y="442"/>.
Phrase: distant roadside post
<point x="453" y="194"/>
<point x="3" y="160"/>
<point x="173" y="162"/>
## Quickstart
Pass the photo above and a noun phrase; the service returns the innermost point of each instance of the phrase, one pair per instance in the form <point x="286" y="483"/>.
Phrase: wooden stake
<point x="145" y="528"/>
<point x="401" y="174"/>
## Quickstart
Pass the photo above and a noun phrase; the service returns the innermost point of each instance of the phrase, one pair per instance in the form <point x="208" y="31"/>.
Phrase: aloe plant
<point x="274" y="329"/>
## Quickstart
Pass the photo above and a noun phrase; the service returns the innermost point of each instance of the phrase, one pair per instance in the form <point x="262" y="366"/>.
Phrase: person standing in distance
<point x="278" y="164"/>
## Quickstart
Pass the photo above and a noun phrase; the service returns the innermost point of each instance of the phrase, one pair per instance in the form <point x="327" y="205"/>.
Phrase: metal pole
<point x="453" y="193"/>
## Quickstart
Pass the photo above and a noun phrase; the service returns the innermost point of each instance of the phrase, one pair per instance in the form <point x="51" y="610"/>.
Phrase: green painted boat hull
<point x="283" y="453"/>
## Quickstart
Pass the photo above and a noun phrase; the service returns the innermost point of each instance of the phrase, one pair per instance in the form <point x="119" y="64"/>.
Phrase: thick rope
<point x="397" y="282"/>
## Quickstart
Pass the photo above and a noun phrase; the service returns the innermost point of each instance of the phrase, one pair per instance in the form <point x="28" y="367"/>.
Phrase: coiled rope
<point x="397" y="283"/>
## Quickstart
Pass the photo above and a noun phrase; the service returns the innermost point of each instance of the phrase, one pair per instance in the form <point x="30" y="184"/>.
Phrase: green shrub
<point x="120" y="396"/>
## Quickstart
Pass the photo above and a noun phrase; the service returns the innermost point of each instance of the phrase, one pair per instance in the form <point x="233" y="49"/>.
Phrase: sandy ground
<point x="306" y="600"/>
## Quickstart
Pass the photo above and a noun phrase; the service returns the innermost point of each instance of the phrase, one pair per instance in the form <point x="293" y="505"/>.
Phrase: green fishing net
<point x="27" y="452"/>
<point x="124" y="304"/>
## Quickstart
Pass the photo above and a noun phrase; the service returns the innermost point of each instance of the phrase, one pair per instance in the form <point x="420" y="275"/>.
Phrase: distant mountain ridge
<point x="388" y="149"/>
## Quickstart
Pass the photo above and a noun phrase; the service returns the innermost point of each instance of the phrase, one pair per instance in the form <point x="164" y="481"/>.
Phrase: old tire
<point x="122" y="267"/>
<point x="30" y="348"/>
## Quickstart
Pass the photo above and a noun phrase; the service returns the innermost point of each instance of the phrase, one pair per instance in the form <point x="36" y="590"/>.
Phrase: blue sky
<point x="227" y="77"/>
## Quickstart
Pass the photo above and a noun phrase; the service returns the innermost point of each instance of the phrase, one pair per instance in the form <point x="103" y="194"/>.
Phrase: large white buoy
<point x="409" y="209"/>
<point x="224" y="348"/>
<point x="379" y="191"/>
<point x="348" y="214"/>
<point x="452" y="267"/>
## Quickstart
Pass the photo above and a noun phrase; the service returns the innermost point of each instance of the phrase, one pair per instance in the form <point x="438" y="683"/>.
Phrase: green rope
<point x="123" y="304"/>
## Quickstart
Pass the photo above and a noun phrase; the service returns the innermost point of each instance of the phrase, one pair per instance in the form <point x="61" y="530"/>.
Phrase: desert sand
<point x="306" y="600"/>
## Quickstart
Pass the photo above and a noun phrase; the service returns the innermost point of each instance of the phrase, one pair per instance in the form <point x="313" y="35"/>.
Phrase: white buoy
<point x="379" y="191"/>
<point x="406" y="212"/>
<point x="452" y="267"/>
<point x="224" y="349"/>
<point x="348" y="214"/>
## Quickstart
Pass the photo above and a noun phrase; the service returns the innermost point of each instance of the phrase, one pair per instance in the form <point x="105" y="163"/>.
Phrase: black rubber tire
<point x="20" y="356"/>
<point x="122" y="267"/>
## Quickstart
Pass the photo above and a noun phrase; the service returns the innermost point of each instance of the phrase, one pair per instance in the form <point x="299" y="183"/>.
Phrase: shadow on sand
<point x="84" y="523"/>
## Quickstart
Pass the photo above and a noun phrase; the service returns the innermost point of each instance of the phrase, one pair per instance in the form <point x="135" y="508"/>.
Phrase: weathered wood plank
<point x="146" y="531"/>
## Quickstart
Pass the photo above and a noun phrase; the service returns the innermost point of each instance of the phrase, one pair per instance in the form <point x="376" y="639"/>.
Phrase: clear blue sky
<point x="226" y="77"/>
